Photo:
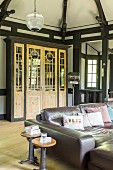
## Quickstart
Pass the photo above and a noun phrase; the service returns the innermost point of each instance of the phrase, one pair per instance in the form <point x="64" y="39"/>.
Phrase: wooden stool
<point x="43" y="146"/>
<point x="31" y="157"/>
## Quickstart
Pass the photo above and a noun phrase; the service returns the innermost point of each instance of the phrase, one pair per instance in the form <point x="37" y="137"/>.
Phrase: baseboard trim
<point x="2" y="116"/>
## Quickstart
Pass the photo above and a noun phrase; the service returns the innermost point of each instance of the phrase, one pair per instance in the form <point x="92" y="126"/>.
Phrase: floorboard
<point x="14" y="147"/>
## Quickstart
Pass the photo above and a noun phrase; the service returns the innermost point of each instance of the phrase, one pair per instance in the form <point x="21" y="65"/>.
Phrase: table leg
<point x="43" y="159"/>
<point x="31" y="157"/>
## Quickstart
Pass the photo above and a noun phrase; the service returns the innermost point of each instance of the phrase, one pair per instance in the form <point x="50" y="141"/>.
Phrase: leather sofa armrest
<point x="73" y="146"/>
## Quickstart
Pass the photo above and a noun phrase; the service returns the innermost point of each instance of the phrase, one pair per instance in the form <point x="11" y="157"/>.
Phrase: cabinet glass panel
<point x="19" y="68"/>
<point x="34" y="69"/>
<point x="62" y="71"/>
<point x="49" y="70"/>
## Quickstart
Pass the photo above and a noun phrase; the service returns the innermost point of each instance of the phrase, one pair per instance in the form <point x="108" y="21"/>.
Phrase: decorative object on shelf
<point x="34" y="20"/>
<point x="73" y="78"/>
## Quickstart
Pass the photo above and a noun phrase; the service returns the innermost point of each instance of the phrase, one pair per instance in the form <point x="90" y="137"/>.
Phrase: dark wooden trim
<point x="25" y="79"/>
<point x="66" y="77"/>
<point x="111" y="72"/>
<point x="76" y="65"/>
<point x="101" y="18"/>
<point x="15" y="39"/>
<point x="84" y="31"/>
<point x="2" y="92"/>
<point x="104" y="65"/>
<point x="24" y="27"/>
<point x="64" y="24"/>
<point x="58" y="73"/>
<point x="3" y="9"/>
<point x="90" y="38"/>
<point x="29" y="36"/>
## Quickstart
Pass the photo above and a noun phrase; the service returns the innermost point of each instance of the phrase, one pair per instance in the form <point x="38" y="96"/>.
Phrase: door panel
<point x="34" y="81"/>
<point x="49" y="89"/>
<point x="18" y="80"/>
<point x="62" y="78"/>
<point x="33" y="104"/>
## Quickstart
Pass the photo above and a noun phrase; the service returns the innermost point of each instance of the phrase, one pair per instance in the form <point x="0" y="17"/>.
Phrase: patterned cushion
<point x="73" y="122"/>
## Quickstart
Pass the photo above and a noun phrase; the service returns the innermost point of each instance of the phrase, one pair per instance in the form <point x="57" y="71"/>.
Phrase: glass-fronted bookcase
<point x="36" y="78"/>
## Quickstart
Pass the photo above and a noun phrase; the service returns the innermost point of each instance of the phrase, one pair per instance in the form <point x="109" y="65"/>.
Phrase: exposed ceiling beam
<point x="64" y="24"/>
<point x="3" y="10"/>
<point x="101" y="18"/>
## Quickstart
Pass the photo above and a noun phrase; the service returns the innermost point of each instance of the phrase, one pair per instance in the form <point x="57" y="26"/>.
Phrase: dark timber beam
<point x="105" y="32"/>
<point x="101" y="18"/>
<point x="105" y="66"/>
<point x="64" y="24"/>
<point x="3" y="10"/>
<point x="76" y="65"/>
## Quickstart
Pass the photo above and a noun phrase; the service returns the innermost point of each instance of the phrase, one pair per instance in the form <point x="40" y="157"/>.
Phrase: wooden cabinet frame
<point x="21" y="103"/>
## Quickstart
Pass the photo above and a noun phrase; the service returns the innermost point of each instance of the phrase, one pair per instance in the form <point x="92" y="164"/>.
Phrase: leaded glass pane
<point x="90" y="69"/>
<point x="34" y="69"/>
<point x="89" y="61"/>
<point x="89" y="77"/>
<point x="94" y="61"/>
<point x="94" y="78"/>
<point x="49" y="70"/>
<point x="94" y="68"/>
<point x="88" y="84"/>
<point x="19" y="68"/>
<point x="93" y="84"/>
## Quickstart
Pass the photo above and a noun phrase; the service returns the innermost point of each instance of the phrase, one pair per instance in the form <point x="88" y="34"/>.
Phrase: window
<point x="91" y="77"/>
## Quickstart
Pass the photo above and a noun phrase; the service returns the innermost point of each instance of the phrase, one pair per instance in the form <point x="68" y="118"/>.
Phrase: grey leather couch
<point x="73" y="146"/>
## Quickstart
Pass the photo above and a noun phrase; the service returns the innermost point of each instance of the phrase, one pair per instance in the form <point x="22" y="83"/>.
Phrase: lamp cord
<point x="34" y="6"/>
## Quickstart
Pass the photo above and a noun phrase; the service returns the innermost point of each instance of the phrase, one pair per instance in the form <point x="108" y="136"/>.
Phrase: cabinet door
<point x="18" y="80"/>
<point x="34" y="81"/>
<point x="49" y="78"/>
<point x="62" y="78"/>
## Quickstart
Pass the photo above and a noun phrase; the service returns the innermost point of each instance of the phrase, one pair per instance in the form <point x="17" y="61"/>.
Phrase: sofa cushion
<point x="102" y="109"/>
<point x="102" y="157"/>
<point x="95" y="119"/>
<point x="89" y="105"/>
<point x="110" y="111"/>
<point x="86" y="122"/>
<point x="73" y="122"/>
<point x="55" y="115"/>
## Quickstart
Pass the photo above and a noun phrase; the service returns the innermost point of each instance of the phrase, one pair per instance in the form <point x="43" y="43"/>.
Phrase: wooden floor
<point x="14" y="148"/>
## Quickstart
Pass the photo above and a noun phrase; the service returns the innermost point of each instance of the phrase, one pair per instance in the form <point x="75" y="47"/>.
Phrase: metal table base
<point x="31" y="158"/>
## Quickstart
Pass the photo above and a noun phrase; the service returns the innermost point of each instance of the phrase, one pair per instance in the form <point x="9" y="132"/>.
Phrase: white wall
<point x="2" y="74"/>
<point x="90" y="51"/>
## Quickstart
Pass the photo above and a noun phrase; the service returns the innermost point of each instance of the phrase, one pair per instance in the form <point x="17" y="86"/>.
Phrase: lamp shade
<point x="34" y="21"/>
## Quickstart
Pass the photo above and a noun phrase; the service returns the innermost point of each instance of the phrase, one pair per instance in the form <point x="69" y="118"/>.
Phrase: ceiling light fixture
<point x="34" y="20"/>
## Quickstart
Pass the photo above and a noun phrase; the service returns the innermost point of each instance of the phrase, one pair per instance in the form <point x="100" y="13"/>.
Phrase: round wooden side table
<point x="43" y="146"/>
<point x="31" y="157"/>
